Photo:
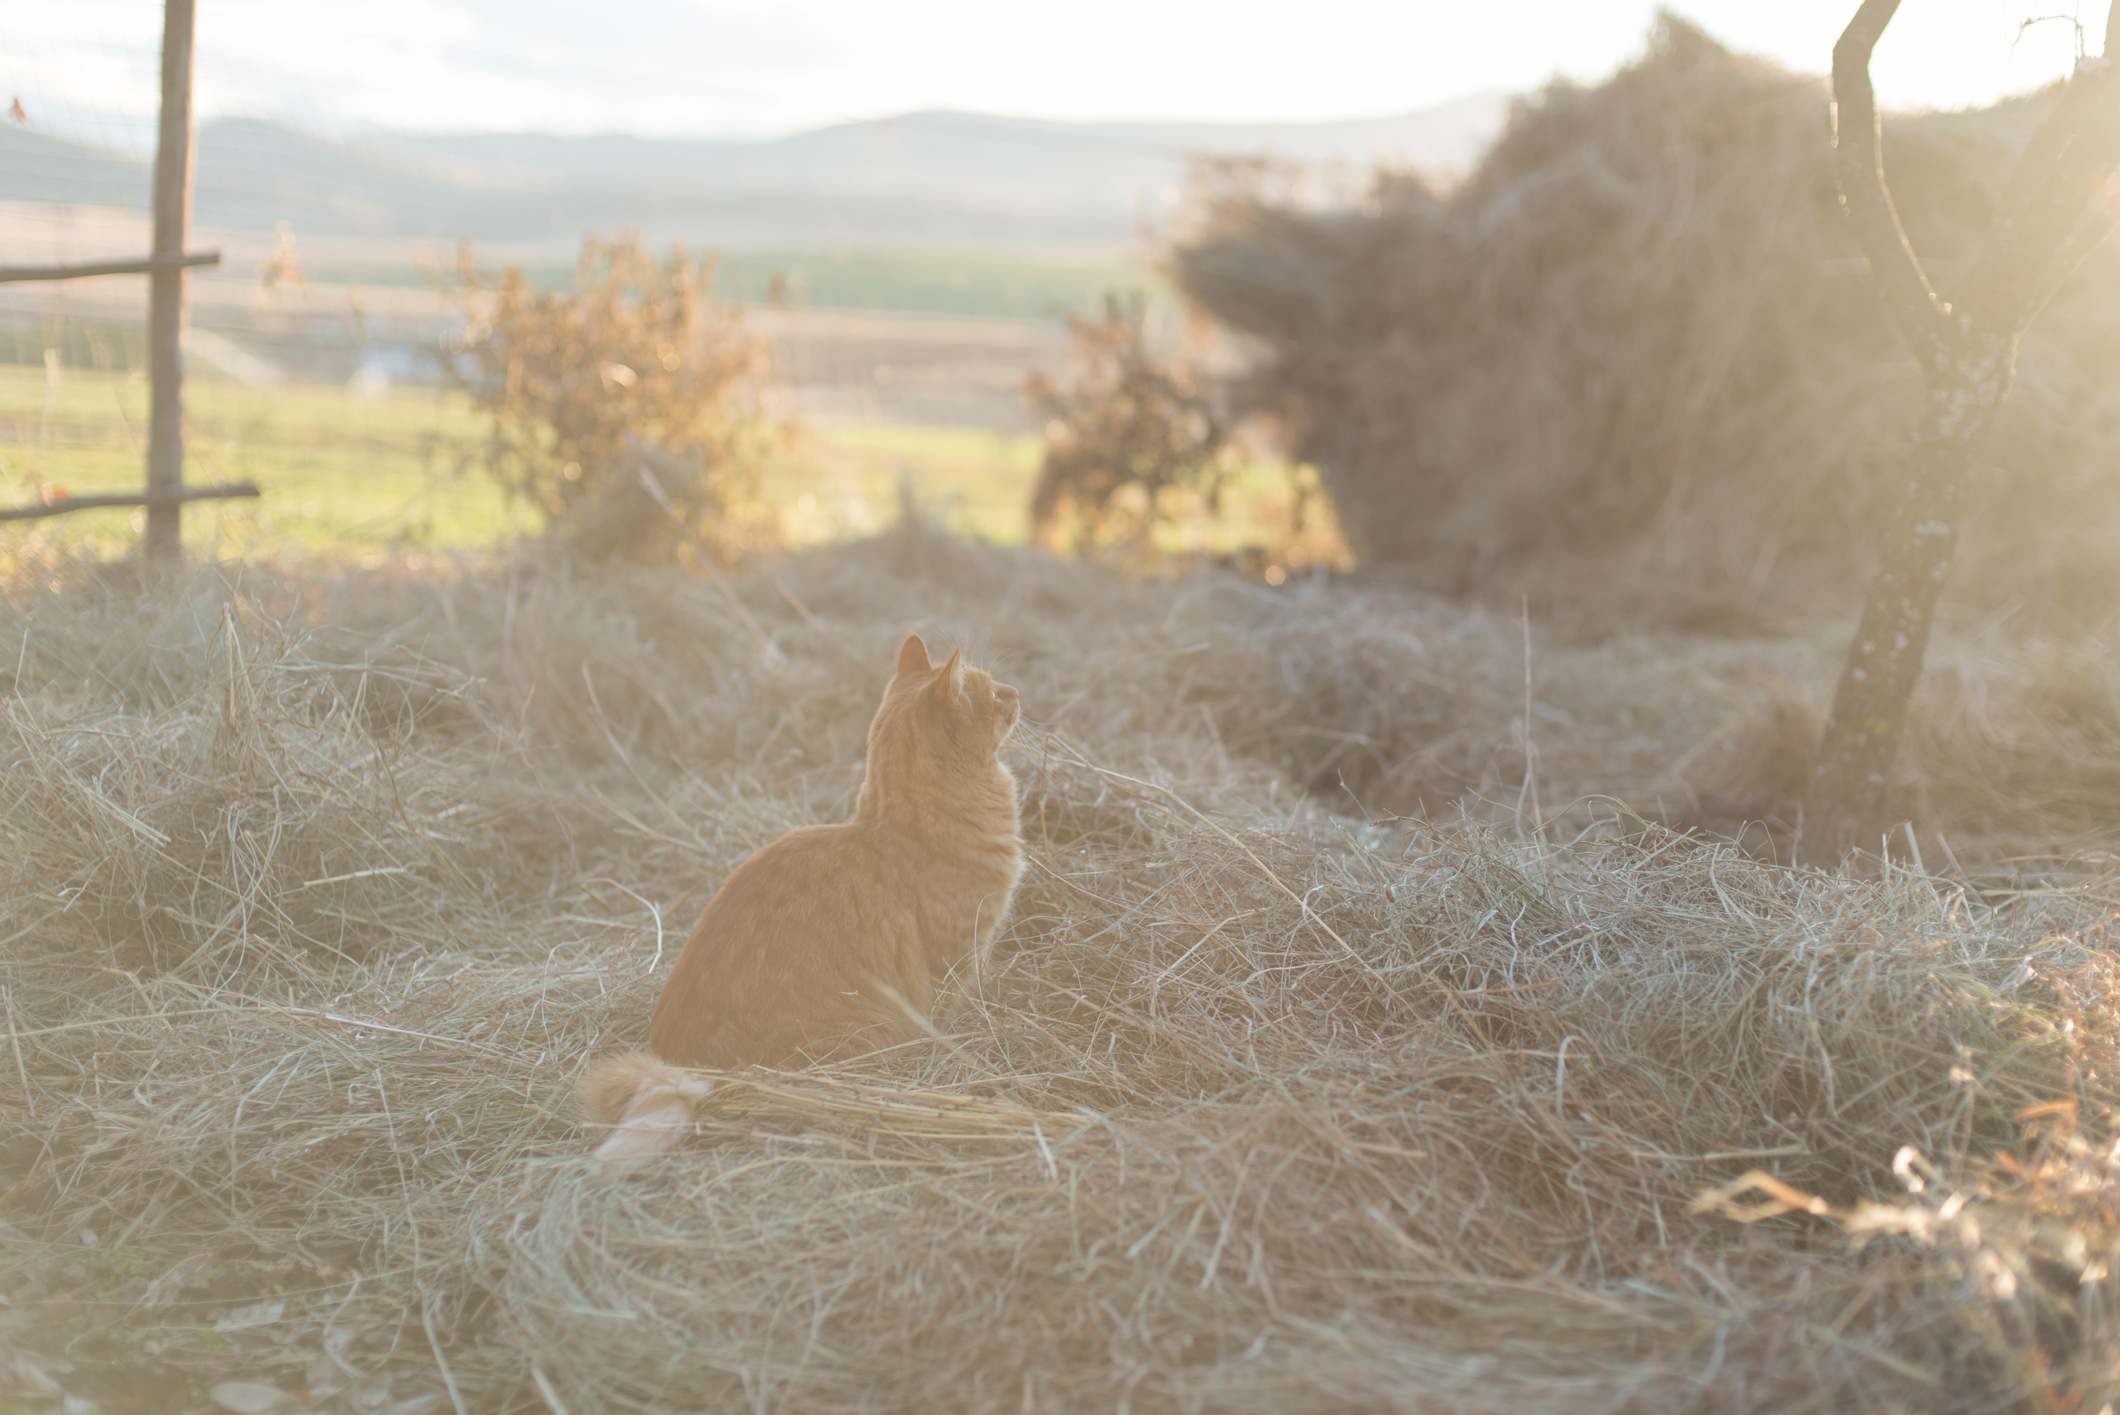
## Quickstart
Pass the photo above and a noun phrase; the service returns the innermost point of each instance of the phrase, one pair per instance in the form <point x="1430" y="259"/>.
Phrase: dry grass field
<point x="1408" y="1006"/>
<point x="1332" y="1061"/>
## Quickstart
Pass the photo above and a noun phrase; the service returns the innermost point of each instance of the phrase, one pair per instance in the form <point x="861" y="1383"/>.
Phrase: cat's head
<point x="951" y="702"/>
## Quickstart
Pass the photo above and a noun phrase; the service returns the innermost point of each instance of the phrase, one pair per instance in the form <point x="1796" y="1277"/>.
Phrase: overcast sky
<point x="714" y="67"/>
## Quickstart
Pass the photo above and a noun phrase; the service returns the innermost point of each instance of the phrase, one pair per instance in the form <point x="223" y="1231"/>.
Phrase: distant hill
<point x="922" y="180"/>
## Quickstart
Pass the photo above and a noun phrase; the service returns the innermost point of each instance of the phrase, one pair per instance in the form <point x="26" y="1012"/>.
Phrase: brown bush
<point x="1126" y="434"/>
<point x="634" y="366"/>
<point x="1636" y="353"/>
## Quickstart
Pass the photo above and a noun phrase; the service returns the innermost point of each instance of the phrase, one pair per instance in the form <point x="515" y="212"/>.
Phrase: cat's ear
<point x="913" y="657"/>
<point x="949" y="678"/>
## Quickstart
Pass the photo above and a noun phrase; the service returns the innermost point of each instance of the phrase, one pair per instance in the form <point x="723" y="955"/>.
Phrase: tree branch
<point x="1858" y="151"/>
<point x="2090" y="233"/>
<point x="2039" y="236"/>
<point x="1968" y="356"/>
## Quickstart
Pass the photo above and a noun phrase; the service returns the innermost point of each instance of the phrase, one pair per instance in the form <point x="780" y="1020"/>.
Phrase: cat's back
<point x="804" y="877"/>
<point x="799" y="919"/>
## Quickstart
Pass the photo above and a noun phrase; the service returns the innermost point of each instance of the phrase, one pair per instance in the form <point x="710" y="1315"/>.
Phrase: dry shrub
<point x="1264" y="1109"/>
<point x="2006" y="750"/>
<point x="635" y="366"/>
<point x="1126" y="439"/>
<point x="2033" y="730"/>
<point x="1636" y="358"/>
<point x="252" y="818"/>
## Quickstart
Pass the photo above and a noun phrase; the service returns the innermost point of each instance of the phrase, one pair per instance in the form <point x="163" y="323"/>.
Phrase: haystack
<point x="317" y="887"/>
<point x="1637" y="353"/>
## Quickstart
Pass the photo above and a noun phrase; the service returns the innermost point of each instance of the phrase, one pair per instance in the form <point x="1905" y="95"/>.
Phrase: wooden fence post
<point x="167" y="287"/>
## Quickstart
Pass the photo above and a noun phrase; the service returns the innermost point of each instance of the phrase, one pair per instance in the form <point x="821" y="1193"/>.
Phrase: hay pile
<point x="318" y="888"/>
<point x="1635" y="360"/>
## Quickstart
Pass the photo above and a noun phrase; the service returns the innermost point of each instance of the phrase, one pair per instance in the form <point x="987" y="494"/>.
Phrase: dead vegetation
<point x="319" y="885"/>
<point x="1126" y="439"/>
<point x="1366" y="1037"/>
<point x="1635" y="362"/>
<point x="636" y="366"/>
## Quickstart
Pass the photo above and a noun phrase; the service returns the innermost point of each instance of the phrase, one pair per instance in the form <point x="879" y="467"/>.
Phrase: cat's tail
<point x="647" y="1102"/>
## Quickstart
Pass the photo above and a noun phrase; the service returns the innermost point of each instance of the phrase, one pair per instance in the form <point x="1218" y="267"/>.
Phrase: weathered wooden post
<point x="166" y="309"/>
<point x="165" y="266"/>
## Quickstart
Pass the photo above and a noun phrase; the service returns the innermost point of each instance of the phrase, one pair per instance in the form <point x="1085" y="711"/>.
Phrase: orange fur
<point x="832" y="940"/>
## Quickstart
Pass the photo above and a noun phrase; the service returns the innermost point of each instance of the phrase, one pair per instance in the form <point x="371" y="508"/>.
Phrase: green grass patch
<point x="341" y="471"/>
<point x="840" y="481"/>
<point x="347" y="474"/>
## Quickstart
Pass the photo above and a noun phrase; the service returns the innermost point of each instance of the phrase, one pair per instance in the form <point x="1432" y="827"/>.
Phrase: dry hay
<point x="2013" y="750"/>
<point x="1635" y="360"/>
<point x="1261" y="1109"/>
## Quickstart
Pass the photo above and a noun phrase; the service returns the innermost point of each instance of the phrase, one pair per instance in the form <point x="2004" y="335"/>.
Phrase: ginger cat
<point x="830" y="941"/>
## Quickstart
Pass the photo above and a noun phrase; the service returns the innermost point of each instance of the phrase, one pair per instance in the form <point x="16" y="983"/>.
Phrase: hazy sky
<point x="703" y="67"/>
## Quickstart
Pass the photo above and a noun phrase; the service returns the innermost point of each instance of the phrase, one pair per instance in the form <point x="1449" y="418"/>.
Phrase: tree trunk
<point x="1968" y="358"/>
<point x="1848" y="804"/>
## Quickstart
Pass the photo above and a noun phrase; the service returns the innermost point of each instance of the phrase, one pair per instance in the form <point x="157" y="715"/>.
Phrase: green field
<point x="350" y="474"/>
<point x="977" y="285"/>
<point x="974" y="286"/>
<point x="340" y="470"/>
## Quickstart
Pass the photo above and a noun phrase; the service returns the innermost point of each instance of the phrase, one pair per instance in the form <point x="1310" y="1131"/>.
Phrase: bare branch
<point x="1859" y="160"/>
<point x="2039" y="236"/>
<point x="2041" y="232"/>
<point x="2088" y="234"/>
<point x="2097" y="223"/>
